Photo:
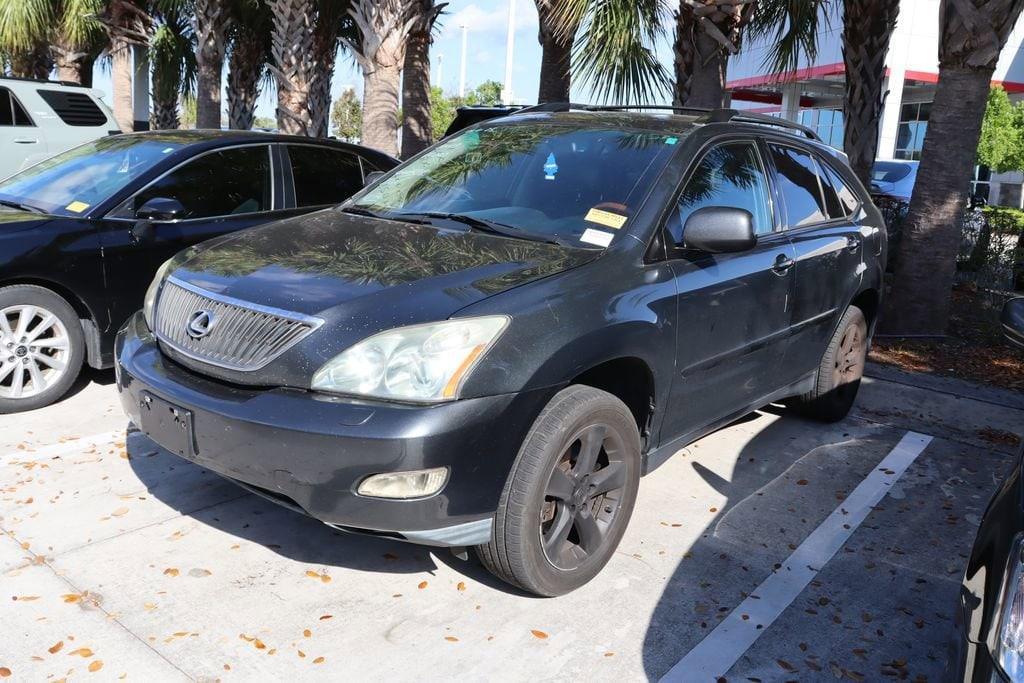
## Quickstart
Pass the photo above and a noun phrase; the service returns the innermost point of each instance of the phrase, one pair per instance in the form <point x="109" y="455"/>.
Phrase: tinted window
<point x="889" y="171"/>
<point x="324" y="176"/>
<point x="832" y="205"/>
<point x="11" y="111"/>
<point x="847" y="199"/>
<point x="74" y="108"/>
<point x="233" y="181"/>
<point x="729" y="175"/>
<point x="798" y="182"/>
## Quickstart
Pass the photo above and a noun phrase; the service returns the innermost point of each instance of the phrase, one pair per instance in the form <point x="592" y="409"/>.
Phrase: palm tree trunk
<point x="325" y="42"/>
<point x="164" y="115"/>
<point x="380" y="107"/>
<point x="704" y="39"/>
<point x="867" y="29"/>
<point x="919" y="304"/>
<point x="245" y="67"/>
<point x="211" y="21"/>
<point x="121" y="83"/>
<point x="35" y="63"/>
<point x="293" y="66"/>
<point x="417" y="133"/>
<point x="556" y="56"/>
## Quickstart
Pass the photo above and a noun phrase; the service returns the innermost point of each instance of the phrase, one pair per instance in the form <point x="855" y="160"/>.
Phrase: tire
<point x="840" y="372"/>
<point x="591" y="507"/>
<point x="39" y="370"/>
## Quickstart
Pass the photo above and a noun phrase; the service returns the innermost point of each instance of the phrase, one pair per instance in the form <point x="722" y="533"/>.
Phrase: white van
<point x="39" y="119"/>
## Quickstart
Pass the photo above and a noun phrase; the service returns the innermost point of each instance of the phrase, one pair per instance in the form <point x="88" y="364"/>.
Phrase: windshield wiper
<point x="483" y="225"/>
<point x="23" y="207"/>
<point x="360" y="211"/>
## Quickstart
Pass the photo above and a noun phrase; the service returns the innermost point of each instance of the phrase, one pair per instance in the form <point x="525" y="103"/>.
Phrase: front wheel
<point x="840" y="372"/>
<point x="569" y="496"/>
<point x="41" y="347"/>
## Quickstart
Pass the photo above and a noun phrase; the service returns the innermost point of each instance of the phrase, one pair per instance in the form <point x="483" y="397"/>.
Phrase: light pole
<point x="462" y="67"/>
<point x="440" y="71"/>
<point x="510" y="39"/>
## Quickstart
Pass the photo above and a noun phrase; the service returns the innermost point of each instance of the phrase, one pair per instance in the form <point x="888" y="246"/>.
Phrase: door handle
<point x="782" y="264"/>
<point x="852" y="243"/>
<point x="25" y="141"/>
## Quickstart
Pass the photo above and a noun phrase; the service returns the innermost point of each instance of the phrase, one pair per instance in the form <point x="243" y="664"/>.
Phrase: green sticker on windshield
<point x="471" y="139"/>
<point x="671" y="141"/>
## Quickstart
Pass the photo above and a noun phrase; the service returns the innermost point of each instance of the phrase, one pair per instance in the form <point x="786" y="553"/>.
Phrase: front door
<point x="222" y="191"/>
<point x="734" y="310"/>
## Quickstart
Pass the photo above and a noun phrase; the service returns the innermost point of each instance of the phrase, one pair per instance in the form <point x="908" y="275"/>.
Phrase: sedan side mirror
<point x="161" y="209"/>
<point x="720" y="230"/>
<point x="372" y="177"/>
<point x="1013" y="320"/>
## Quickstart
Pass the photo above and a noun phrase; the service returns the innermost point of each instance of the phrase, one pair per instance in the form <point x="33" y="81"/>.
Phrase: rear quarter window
<point x="74" y="108"/>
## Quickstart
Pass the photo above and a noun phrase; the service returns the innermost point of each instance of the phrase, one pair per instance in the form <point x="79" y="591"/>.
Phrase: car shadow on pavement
<point x="208" y="498"/>
<point x="87" y="377"/>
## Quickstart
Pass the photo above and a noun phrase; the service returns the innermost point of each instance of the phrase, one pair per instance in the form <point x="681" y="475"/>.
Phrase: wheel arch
<point x="868" y="301"/>
<point x="631" y="380"/>
<point x="87" y="317"/>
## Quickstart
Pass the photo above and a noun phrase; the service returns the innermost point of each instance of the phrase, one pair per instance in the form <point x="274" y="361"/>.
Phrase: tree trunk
<point x="293" y="64"/>
<point x="121" y="83"/>
<point x="556" y="57"/>
<point x="164" y="115"/>
<point x="417" y="130"/>
<point x="35" y="63"/>
<point x="867" y="28"/>
<point x="210" y="22"/>
<point x="380" y="106"/>
<point x="700" y="61"/>
<point x="245" y="66"/>
<point x="325" y="45"/>
<point x="919" y="304"/>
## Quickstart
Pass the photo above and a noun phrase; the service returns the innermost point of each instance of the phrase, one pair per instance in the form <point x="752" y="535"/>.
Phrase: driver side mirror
<point x="720" y="230"/>
<point x="161" y="209"/>
<point x="372" y="177"/>
<point x="1013" y="320"/>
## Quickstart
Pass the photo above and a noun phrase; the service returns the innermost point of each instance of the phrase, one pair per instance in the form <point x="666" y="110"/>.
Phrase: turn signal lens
<point x="403" y="485"/>
<point x="1010" y="646"/>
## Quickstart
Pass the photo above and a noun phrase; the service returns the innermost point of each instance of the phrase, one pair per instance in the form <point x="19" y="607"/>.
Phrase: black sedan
<point x="82" y="234"/>
<point x="990" y="621"/>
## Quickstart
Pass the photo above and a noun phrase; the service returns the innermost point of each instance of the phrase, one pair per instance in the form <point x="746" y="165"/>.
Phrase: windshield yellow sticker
<point x="606" y="218"/>
<point x="77" y="207"/>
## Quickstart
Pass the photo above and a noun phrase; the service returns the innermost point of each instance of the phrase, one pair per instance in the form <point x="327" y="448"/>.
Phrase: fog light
<point x="412" y="484"/>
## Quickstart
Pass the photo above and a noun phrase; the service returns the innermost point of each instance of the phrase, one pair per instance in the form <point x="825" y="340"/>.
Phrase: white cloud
<point x="493" y="20"/>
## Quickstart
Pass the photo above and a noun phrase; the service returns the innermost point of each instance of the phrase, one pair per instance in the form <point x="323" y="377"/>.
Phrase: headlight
<point x="416" y="363"/>
<point x="149" y="303"/>
<point x="1010" y="643"/>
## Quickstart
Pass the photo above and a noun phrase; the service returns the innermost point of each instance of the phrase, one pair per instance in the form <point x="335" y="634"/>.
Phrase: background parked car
<point x="990" y="619"/>
<point x="82" y="234"/>
<point x="894" y="179"/>
<point x="39" y="119"/>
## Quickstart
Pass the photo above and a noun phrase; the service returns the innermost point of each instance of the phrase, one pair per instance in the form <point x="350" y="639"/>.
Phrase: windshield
<point x="571" y="184"/>
<point x="71" y="182"/>
<point x="889" y="171"/>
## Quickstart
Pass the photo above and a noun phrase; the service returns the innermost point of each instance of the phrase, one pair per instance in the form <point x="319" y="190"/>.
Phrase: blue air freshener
<point x="550" y="167"/>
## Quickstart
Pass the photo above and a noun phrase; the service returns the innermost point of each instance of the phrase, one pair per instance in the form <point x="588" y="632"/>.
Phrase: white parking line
<point x="721" y="648"/>
<point x="63" y="448"/>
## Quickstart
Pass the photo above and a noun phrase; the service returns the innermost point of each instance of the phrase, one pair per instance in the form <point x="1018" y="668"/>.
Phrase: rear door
<point x="21" y="141"/>
<point x="821" y="222"/>
<point x="223" y="191"/>
<point x="733" y="310"/>
<point x="323" y="176"/>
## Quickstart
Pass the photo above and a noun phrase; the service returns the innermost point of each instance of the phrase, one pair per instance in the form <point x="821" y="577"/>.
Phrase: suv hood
<point x="367" y="274"/>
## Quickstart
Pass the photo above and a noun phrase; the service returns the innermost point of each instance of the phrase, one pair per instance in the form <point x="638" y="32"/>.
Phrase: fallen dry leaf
<point x="119" y="512"/>
<point x="4" y="672"/>
<point x="55" y="648"/>
<point x="171" y="571"/>
<point x="26" y="598"/>
<point x="198" y="573"/>
<point x="72" y="597"/>
<point x="423" y="584"/>
<point x="318" y="660"/>
<point x="316" y="575"/>
<point x="96" y="666"/>
<point x="451" y="639"/>
<point x="538" y="634"/>
<point x="259" y="644"/>
<point x="461" y="586"/>
<point x="81" y="652"/>
<point x="307" y="633"/>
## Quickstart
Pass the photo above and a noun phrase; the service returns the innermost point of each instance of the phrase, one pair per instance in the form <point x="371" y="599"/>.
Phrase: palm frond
<point x="25" y="23"/>
<point x="791" y="27"/>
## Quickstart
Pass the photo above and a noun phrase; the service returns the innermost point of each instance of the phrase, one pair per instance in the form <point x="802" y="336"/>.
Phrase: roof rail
<point x="70" y="84"/>
<point x="722" y="115"/>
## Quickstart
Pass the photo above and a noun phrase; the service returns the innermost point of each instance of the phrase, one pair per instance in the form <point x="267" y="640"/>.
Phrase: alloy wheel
<point x="583" y="497"/>
<point x="34" y="351"/>
<point x="850" y="357"/>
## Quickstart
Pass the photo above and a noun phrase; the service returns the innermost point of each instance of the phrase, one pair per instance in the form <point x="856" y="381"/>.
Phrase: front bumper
<point x="310" y="451"/>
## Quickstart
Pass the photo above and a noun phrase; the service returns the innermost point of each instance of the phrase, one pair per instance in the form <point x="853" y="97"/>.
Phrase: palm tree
<point x="972" y="34"/>
<point x="173" y="59"/>
<point x="127" y="24"/>
<point x="556" y="44"/>
<point x="249" y="39"/>
<point x="334" y="27"/>
<point x="211" y="21"/>
<point x="383" y="28"/>
<point x="707" y="33"/>
<point x="41" y="34"/>
<point x="292" y="63"/>
<point x="417" y="127"/>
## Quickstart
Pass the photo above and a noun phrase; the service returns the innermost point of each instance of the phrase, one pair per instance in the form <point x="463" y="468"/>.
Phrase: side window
<point x="11" y="111"/>
<point x="324" y="176"/>
<point x="728" y="175"/>
<point x="224" y="183"/>
<point x="828" y="190"/>
<point x="847" y="199"/>
<point x="74" y="108"/>
<point x="797" y="176"/>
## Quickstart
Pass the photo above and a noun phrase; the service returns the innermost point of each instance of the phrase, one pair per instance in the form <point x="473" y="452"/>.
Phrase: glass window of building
<point x="913" y="126"/>
<point x="827" y="123"/>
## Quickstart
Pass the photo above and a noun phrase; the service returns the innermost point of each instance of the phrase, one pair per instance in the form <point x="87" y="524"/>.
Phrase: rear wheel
<point x="41" y="347"/>
<point x="569" y="497"/>
<point x="840" y="372"/>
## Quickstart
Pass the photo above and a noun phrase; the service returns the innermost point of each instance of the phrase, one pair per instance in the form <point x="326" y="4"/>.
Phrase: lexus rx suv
<point x="490" y="344"/>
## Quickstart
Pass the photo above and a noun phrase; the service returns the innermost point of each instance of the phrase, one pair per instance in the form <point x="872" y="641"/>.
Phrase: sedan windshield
<point x="72" y="182"/>
<point x="570" y="184"/>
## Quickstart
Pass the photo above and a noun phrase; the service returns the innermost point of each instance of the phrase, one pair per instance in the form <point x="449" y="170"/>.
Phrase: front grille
<point x="242" y="336"/>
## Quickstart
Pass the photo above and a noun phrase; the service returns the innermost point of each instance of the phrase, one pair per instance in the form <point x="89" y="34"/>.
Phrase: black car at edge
<point x="489" y="345"/>
<point x="82" y="233"/>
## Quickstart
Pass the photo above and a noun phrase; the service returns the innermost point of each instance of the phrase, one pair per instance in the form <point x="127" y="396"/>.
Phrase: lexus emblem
<point x="200" y="323"/>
